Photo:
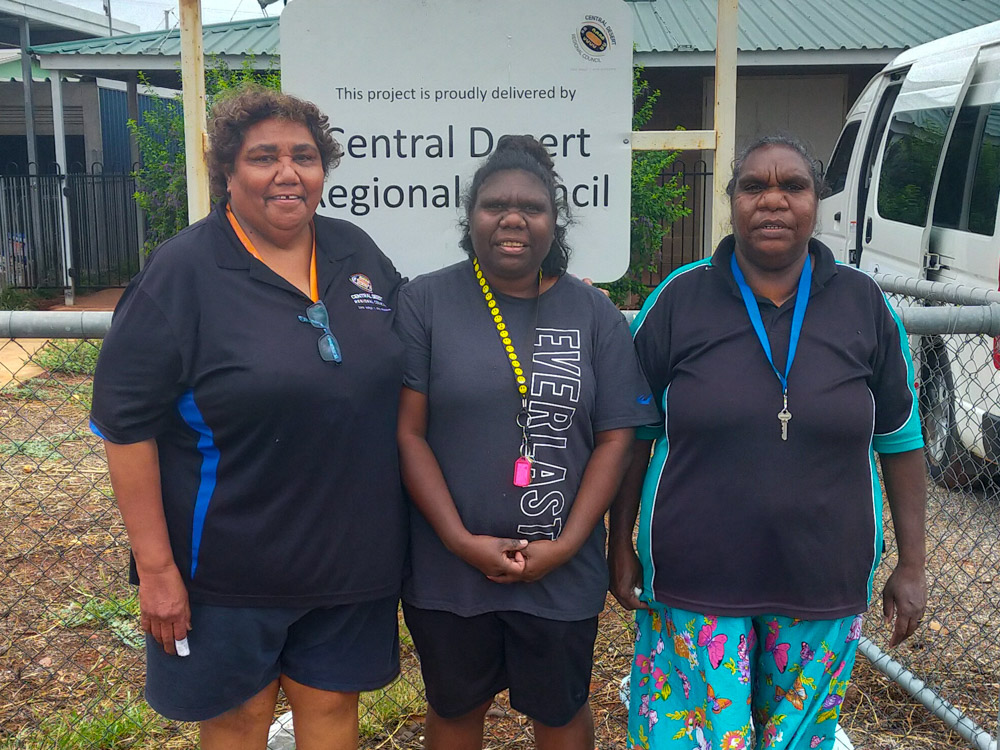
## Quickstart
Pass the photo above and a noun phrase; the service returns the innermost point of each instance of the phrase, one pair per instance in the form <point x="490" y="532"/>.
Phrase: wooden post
<point x="722" y="139"/>
<point x="62" y="161"/>
<point x="195" y="121"/>
<point x="725" y="115"/>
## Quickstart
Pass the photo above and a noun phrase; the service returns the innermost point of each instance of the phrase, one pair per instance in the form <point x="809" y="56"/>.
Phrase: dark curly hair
<point x="234" y="114"/>
<point x="788" y="141"/>
<point x="525" y="153"/>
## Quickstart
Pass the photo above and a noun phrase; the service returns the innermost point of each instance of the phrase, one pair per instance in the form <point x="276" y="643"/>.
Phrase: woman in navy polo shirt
<point x="778" y="374"/>
<point x="247" y="394"/>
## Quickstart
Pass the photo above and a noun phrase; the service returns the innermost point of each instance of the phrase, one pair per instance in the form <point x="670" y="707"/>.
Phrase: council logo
<point x="361" y="282"/>
<point x="593" y="37"/>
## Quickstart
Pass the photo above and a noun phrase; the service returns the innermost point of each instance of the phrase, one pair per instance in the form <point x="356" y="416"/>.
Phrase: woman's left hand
<point x="540" y="558"/>
<point x="905" y="593"/>
<point x="903" y="599"/>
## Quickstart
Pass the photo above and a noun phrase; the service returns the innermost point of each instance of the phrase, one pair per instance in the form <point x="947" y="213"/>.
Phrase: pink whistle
<point x="522" y="472"/>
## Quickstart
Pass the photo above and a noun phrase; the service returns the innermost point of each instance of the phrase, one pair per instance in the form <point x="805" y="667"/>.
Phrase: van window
<point x="986" y="183"/>
<point x="912" y="150"/>
<point x="970" y="177"/>
<point x="952" y="192"/>
<point x="836" y="173"/>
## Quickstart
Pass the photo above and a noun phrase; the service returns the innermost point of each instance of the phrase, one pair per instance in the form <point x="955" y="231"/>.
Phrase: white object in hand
<point x="182" y="647"/>
<point x="637" y="591"/>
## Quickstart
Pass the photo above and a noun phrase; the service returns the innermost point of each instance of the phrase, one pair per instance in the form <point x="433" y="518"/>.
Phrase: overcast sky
<point x="148" y="14"/>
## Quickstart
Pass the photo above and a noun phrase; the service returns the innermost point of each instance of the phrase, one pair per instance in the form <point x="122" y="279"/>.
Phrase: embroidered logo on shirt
<point x="644" y="399"/>
<point x="361" y="282"/>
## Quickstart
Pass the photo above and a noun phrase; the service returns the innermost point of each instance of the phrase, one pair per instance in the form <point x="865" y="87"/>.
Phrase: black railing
<point x="103" y="229"/>
<point x="688" y="238"/>
<point x="31" y="229"/>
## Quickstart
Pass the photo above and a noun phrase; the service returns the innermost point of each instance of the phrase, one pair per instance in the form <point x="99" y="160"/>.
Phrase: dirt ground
<point x="63" y="551"/>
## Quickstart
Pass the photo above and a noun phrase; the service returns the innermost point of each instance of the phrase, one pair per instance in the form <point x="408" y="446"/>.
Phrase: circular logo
<point x="361" y="281"/>
<point x="594" y="37"/>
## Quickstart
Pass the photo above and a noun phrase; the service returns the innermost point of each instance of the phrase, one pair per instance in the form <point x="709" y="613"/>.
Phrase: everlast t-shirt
<point x="584" y="378"/>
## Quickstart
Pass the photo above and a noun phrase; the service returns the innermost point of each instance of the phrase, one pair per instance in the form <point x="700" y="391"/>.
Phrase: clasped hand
<point x="513" y="560"/>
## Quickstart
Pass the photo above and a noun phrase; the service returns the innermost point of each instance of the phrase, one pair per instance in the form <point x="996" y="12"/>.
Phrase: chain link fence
<point x="951" y="667"/>
<point x="71" y="660"/>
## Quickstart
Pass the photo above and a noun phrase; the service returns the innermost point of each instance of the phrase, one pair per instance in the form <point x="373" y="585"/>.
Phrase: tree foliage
<point x="657" y="201"/>
<point x="161" y="179"/>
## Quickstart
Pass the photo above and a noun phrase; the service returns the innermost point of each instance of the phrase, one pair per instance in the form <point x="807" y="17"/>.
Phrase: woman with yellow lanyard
<point x="247" y="394"/>
<point x="520" y="396"/>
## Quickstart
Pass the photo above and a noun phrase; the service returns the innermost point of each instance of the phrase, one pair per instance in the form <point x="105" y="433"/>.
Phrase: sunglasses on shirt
<point x="318" y="317"/>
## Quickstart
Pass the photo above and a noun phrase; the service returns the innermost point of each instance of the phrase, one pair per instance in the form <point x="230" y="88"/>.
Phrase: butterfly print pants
<point x="738" y="683"/>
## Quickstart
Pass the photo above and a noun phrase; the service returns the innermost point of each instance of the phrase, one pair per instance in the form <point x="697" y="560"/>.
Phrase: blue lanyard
<point x="798" y="315"/>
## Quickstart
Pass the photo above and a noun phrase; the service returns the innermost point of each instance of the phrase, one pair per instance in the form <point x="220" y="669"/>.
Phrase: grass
<point x="119" y="615"/>
<point x="98" y="727"/>
<point x="68" y="356"/>
<point x="41" y="449"/>
<point x="26" y="299"/>
<point x="386" y="711"/>
<point x="50" y="389"/>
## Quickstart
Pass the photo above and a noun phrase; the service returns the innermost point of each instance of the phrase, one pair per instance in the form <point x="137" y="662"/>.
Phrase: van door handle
<point x="836" y="216"/>
<point x="868" y="230"/>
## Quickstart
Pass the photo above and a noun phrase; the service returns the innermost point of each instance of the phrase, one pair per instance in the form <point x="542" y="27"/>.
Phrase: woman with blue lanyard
<point x="516" y="419"/>
<point x="779" y="374"/>
<point x="247" y="395"/>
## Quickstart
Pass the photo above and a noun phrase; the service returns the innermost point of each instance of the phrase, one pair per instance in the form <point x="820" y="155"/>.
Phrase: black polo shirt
<point x="735" y="521"/>
<point x="279" y="470"/>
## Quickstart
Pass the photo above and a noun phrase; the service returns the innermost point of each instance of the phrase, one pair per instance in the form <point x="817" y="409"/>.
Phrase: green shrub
<point x="656" y="203"/>
<point x="25" y="299"/>
<point x="161" y="180"/>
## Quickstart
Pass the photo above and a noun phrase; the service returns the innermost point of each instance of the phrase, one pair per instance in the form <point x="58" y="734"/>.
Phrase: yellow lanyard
<point x="313" y="278"/>
<point x="522" y="466"/>
<point x="508" y="344"/>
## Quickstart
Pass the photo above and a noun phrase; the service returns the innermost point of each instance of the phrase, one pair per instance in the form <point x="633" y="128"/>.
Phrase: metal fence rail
<point x="70" y="650"/>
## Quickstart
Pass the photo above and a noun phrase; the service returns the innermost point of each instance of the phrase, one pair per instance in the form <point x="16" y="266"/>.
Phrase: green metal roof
<point x="258" y="37"/>
<point x="660" y="26"/>
<point x="771" y="25"/>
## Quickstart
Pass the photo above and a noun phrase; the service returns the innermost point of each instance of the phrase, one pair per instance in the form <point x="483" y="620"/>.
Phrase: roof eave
<point x="84" y="62"/>
<point x="767" y="58"/>
<point x="63" y="16"/>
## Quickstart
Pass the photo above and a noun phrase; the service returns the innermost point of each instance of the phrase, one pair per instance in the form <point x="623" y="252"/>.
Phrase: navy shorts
<point x="465" y="661"/>
<point x="238" y="651"/>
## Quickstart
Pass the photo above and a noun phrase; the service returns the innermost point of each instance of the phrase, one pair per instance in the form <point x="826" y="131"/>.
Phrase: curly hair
<point x="233" y="114"/>
<point x="788" y="141"/>
<point x="525" y="153"/>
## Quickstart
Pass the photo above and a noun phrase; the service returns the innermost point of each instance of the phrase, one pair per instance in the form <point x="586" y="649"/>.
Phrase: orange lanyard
<point x="313" y="279"/>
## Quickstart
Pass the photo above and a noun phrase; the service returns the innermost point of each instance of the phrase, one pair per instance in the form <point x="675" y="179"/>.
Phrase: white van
<point x="915" y="180"/>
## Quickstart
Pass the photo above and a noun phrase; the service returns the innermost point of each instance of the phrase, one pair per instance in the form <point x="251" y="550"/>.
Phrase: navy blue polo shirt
<point x="734" y="520"/>
<point x="279" y="470"/>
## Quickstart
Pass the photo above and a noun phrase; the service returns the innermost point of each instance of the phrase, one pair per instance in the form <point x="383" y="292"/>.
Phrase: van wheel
<point x="948" y="463"/>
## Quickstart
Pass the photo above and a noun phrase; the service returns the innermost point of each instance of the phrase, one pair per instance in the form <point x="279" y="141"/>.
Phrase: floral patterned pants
<point x="701" y="682"/>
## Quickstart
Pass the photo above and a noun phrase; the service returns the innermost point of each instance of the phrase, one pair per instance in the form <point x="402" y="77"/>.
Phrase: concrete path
<point x="15" y="353"/>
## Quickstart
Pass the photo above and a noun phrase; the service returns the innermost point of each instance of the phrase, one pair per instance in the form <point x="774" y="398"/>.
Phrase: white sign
<point x="419" y="92"/>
